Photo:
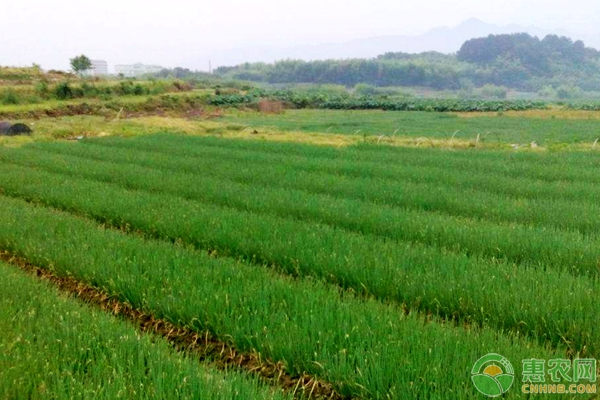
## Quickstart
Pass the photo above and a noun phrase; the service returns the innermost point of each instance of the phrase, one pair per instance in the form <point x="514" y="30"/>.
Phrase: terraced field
<point x="376" y="272"/>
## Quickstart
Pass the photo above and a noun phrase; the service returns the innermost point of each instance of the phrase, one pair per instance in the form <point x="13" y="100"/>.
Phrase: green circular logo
<point x="493" y="375"/>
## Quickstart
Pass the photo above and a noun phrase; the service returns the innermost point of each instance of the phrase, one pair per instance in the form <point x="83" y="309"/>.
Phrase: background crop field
<point x="544" y="127"/>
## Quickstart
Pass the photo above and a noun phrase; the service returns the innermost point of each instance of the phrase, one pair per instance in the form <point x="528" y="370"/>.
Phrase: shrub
<point x="42" y="90"/>
<point x="63" y="91"/>
<point x="138" y="90"/>
<point x="9" y="96"/>
<point x="89" y="90"/>
<point x="124" y="88"/>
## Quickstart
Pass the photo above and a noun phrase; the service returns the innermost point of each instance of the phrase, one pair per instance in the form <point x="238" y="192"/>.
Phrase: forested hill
<point x="518" y="61"/>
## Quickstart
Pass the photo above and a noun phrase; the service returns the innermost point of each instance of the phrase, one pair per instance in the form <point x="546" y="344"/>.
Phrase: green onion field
<point x="384" y="271"/>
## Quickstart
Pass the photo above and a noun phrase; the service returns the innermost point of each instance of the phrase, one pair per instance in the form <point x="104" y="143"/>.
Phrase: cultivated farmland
<point x="54" y="347"/>
<point x="366" y="271"/>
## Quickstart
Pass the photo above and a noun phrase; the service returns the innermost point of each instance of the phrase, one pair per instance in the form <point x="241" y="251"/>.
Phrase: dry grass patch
<point x="540" y="114"/>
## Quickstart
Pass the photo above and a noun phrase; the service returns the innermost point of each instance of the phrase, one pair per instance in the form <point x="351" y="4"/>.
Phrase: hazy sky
<point x="174" y="32"/>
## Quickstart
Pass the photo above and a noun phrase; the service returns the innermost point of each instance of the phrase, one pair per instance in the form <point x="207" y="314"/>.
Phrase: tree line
<point x="518" y="61"/>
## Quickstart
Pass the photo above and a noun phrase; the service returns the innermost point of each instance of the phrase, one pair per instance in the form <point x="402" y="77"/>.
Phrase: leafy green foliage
<point x="9" y="96"/>
<point x="347" y="102"/>
<point x="80" y="64"/>
<point x="63" y="91"/>
<point x="536" y="56"/>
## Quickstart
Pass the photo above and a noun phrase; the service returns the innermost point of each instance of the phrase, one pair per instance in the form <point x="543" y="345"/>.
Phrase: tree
<point x="80" y="64"/>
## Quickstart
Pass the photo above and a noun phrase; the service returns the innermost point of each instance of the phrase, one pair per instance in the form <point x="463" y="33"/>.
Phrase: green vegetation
<point x="384" y="263"/>
<point x="518" y="243"/>
<point x="345" y="101"/>
<point x="53" y="347"/>
<point x="520" y="129"/>
<point x="31" y="87"/>
<point x="363" y="347"/>
<point x="524" y="203"/>
<point x="494" y="100"/>
<point x="437" y="105"/>
<point x="429" y="278"/>
<point x="174" y="102"/>
<point x="517" y="61"/>
<point x="67" y="90"/>
<point x="80" y="64"/>
<point x="54" y="94"/>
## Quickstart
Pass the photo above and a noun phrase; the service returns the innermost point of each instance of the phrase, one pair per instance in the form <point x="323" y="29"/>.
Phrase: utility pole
<point x="210" y="67"/>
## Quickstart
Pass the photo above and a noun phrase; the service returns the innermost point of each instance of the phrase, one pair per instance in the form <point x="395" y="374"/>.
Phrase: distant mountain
<point x="443" y="39"/>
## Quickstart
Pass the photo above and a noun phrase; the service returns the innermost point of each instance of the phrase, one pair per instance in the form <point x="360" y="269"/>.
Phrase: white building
<point x="137" y="69"/>
<point x="99" y="68"/>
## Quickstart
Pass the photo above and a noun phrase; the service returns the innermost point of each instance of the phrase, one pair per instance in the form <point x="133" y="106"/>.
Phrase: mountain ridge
<point x="442" y="39"/>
